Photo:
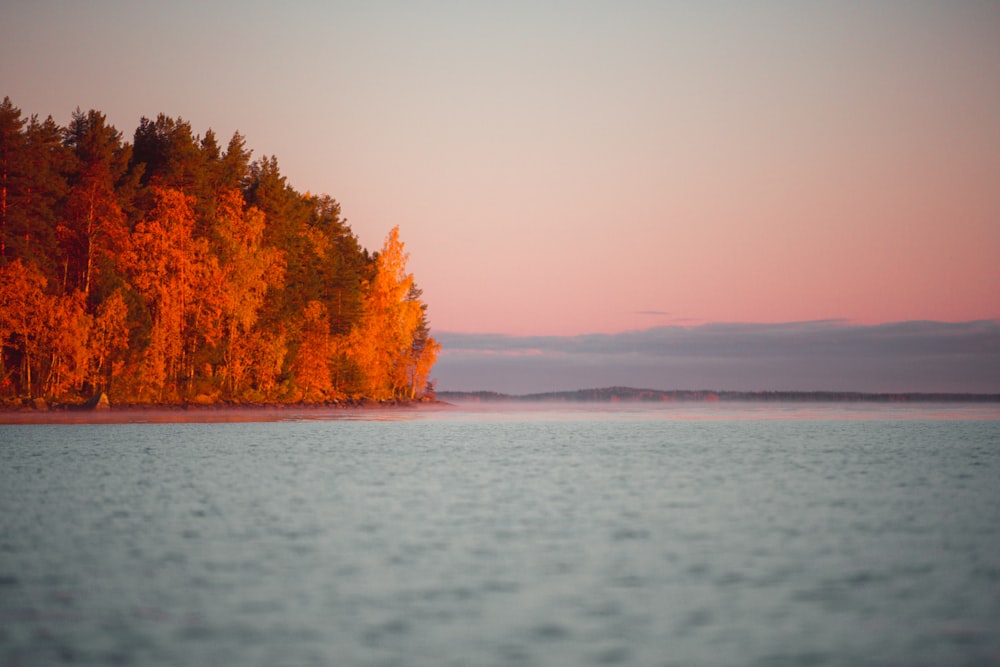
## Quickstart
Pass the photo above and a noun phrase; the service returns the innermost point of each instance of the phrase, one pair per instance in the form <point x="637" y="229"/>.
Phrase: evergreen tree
<point x="95" y="222"/>
<point x="170" y="154"/>
<point x="12" y="163"/>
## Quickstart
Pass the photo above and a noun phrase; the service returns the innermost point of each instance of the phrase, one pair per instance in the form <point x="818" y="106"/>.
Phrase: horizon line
<point x="830" y="321"/>
<point x="645" y="394"/>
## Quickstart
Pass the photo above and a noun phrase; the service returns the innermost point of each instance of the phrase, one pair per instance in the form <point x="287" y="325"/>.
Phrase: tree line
<point x="173" y="269"/>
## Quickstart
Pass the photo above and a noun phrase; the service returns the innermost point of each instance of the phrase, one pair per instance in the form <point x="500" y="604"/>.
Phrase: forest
<point x="174" y="270"/>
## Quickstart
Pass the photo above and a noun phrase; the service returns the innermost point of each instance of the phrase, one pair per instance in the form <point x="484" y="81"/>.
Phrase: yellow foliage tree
<point x="65" y="333"/>
<point x="49" y="332"/>
<point x="312" y="363"/>
<point x="268" y="351"/>
<point x="248" y="269"/>
<point x="108" y="340"/>
<point x="382" y="343"/>
<point x="423" y="352"/>
<point x="168" y="267"/>
<point x="22" y="307"/>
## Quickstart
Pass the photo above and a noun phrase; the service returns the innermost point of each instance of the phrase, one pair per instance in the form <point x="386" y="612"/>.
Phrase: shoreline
<point x="205" y="414"/>
<point x="198" y="413"/>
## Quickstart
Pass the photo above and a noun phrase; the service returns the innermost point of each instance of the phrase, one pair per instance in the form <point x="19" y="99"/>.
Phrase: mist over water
<point x="549" y="536"/>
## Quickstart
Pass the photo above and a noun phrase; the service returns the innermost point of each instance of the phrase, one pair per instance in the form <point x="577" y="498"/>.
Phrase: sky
<point x="574" y="169"/>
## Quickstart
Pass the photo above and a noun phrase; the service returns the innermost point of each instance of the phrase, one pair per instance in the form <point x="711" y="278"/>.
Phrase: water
<point x="778" y="535"/>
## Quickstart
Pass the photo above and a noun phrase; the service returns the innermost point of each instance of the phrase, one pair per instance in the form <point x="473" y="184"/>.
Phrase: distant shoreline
<point x="630" y="394"/>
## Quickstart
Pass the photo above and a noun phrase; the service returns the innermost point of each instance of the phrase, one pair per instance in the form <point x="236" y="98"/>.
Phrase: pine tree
<point x="12" y="163"/>
<point x="96" y="224"/>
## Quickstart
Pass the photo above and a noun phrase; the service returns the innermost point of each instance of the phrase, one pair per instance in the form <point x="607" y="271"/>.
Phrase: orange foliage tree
<point x="108" y="341"/>
<point x="22" y="308"/>
<point x="65" y="332"/>
<point x="382" y="343"/>
<point x="167" y="270"/>
<point x="247" y="270"/>
<point x="312" y="363"/>
<point x="168" y="267"/>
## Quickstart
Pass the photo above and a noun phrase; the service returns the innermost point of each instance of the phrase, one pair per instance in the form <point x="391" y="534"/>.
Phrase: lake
<point x="728" y="534"/>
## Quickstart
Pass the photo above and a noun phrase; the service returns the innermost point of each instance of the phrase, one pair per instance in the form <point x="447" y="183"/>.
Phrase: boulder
<point x="100" y="402"/>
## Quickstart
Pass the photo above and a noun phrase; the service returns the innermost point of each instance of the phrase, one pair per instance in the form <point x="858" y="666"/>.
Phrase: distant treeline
<point x="612" y="394"/>
<point x="173" y="269"/>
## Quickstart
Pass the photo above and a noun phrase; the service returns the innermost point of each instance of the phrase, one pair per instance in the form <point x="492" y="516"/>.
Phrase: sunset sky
<point x="569" y="168"/>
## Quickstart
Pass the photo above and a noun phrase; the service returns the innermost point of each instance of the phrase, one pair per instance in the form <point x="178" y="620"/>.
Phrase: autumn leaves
<point x="173" y="271"/>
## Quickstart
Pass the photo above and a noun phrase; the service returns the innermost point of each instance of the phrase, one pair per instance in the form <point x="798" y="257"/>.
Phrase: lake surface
<point x="555" y="535"/>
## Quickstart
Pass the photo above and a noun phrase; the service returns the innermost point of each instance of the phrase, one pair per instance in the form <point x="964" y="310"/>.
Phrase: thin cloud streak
<point x="825" y="355"/>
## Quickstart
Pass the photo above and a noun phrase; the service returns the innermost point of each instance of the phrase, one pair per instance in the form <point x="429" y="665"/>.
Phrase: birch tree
<point x="381" y="345"/>
<point x="165" y="264"/>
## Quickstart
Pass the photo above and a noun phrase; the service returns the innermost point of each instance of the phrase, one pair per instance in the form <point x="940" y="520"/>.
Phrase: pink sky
<point x="571" y="167"/>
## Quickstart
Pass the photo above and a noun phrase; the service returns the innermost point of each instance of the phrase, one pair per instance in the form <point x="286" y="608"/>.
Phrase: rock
<point x="40" y="404"/>
<point x="100" y="402"/>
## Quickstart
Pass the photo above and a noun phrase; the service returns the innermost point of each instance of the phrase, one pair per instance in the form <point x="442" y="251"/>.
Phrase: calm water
<point x="776" y="535"/>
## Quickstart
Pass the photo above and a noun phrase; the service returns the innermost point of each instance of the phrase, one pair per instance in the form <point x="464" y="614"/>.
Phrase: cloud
<point x="827" y="355"/>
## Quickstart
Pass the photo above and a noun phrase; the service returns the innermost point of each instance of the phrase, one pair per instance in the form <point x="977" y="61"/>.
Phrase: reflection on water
<point x="515" y="411"/>
<point x="786" y="535"/>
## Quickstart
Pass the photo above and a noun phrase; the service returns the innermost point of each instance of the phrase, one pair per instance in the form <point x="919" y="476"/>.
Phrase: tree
<point x="49" y="164"/>
<point x="269" y="350"/>
<point x="64" y="345"/>
<point x="382" y="343"/>
<point x="95" y="222"/>
<point x="234" y="166"/>
<point x="171" y="268"/>
<point x="33" y="169"/>
<point x="169" y="153"/>
<point x="312" y="362"/>
<point x="12" y="161"/>
<point x="108" y="340"/>
<point x="247" y="270"/>
<point x="423" y="351"/>
<point x="22" y="309"/>
<point x="168" y="267"/>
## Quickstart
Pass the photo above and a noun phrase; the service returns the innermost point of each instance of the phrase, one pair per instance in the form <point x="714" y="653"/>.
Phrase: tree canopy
<point x="170" y="270"/>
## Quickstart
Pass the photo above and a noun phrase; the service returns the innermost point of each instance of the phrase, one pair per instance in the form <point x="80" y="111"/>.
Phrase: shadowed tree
<point x="13" y="162"/>
<point x="170" y="153"/>
<point x="108" y="341"/>
<point x="33" y="168"/>
<point x="96" y="224"/>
